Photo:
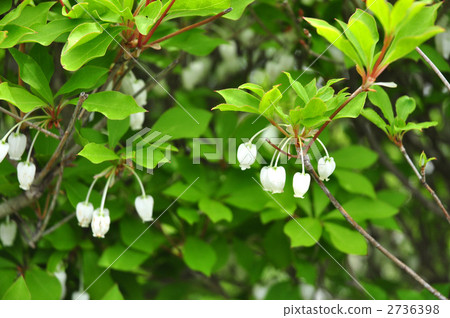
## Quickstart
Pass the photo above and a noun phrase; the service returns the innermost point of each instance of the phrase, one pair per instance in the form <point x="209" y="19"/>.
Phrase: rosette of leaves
<point x="406" y="25"/>
<point x="394" y="126"/>
<point x="311" y="107"/>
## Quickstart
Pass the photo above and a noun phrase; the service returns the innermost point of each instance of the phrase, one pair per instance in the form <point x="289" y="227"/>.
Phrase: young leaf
<point x="269" y="101"/>
<point x="96" y="153"/>
<point x="32" y="74"/>
<point x="20" y="97"/>
<point x="380" y="99"/>
<point x="371" y="115"/>
<point x="186" y="8"/>
<point x="239" y="99"/>
<point x="11" y="35"/>
<point x="148" y="16"/>
<point x="45" y="34"/>
<point x="306" y="234"/>
<point x="81" y="34"/>
<point x="404" y="106"/>
<point x="382" y="11"/>
<point x="354" y="107"/>
<point x="298" y="88"/>
<point x="116" y="130"/>
<point x="255" y="88"/>
<point x="238" y="9"/>
<point x="112" y="104"/>
<point x="199" y="255"/>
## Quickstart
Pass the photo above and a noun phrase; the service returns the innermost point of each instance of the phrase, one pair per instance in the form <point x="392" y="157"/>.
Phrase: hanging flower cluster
<point x="273" y="177"/>
<point x="99" y="219"/>
<point x="15" y="148"/>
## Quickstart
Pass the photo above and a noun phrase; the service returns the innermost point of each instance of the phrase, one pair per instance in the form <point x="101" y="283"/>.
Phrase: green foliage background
<point x="224" y="238"/>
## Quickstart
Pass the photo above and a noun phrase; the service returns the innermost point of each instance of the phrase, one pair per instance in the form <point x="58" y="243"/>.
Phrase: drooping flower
<point x="264" y="177"/>
<point x="144" y="207"/>
<point x="85" y="211"/>
<point x="326" y="167"/>
<point x="61" y="275"/>
<point x="246" y="155"/>
<point x="301" y="184"/>
<point x="17" y="144"/>
<point x="8" y="232"/>
<point x="100" y="222"/>
<point x="136" y="121"/>
<point x="80" y="295"/>
<point x="25" y="174"/>
<point x="276" y="179"/>
<point x="4" y="147"/>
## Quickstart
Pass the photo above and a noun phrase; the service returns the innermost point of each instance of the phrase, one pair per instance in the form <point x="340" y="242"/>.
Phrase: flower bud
<point x="246" y="155"/>
<point x="17" y="144"/>
<point x="144" y="207"/>
<point x="277" y="179"/>
<point x="4" y="147"/>
<point x="25" y="173"/>
<point x="326" y="167"/>
<point x="100" y="222"/>
<point x="84" y="213"/>
<point x="264" y="177"/>
<point x="301" y="184"/>
<point x="8" y="232"/>
<point x="136" y="121"/>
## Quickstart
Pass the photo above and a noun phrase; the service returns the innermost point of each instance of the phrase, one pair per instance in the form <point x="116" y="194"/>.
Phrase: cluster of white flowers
<point x="99" y="219"/>
<point x="15" y="147"/>
<point x="273" y="177"/>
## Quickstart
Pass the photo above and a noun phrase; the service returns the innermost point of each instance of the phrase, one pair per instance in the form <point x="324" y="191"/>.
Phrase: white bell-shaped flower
<point x="277" y="179"/>
<point x="264" y="177"/>
<point x="301" y="184"/>
<point x="80" y="295"/>
<point x="100" y="222"/>
<point x="8" y="232"/>
<point x="61" y="275"/>
<point x="144" y="207"/>
<point x="25" y="174"/>
<point x="4" y="147"/>
<point x="136" y="121"/>
<point x="17" y="144"/>
<point x="85" y="211"/>
<point x="326" y="167"/>
<point x="246" y="155"/>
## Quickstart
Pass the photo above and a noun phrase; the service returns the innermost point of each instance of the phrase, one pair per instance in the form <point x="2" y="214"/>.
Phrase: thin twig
<point x="367" y="236"/>
<point x="58" y="225"/>
<point x="424" y="182"/>
<point x="33" y="125"/>
<point x="434" y="68"/>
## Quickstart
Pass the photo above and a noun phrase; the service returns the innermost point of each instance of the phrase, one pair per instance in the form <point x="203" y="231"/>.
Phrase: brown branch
<point x="193" y="26"/>
<point x="59" y="224"/>
<point x="280" y="150"/>
<point x="153" y="29"/>
<point x="367" y="236"/>
<point x="424" y="182"/>
<point x="17" y="117"/>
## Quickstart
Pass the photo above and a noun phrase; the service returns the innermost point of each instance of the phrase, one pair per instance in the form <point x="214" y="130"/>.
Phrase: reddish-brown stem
<point x="153" y="29"/>
<point x="279" y="127"/>
<point x="348" y="100"/>
<point x="386" y="43"/>
<point x="280" y="150"/>
<point x="190" y="27"/>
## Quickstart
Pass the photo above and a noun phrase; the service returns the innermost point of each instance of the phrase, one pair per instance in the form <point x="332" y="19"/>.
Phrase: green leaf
<point x="65" y="239"/>
<point x="178" y="123"/>
<point x="189" y="215"/>
<point x="354" y="107"/>
<point x="238" y="9"/>
<point x="404" y="106"/>
<point x="113" y="294"/>
<point x="216" y="211"/>
<point x="116" y="130"/>
<point x="255" y="88"/>
<point x="355" y="157"/>
<point x="185" y="8"/>
<point x="97" y="153"/>
<point x="12" y="34"/>
<point x="128" y="262"/>
<point x="42" y="285"/>
<point x="46" y="34"/>
<point x="346" y="240"/>
<point x="20" y="97"/>
<point x="15" y="13"/>
<point x="418" y="126"/>
<point x="132" y="228"/>
<point x="276" y="246"/>
<point x="335" y="37"/>
<point x="148" y="16"/>
<point x="298" y="88"/>
<point x="303" y="231"/>
<point x="194" y="42"/>
<point x="355" y="183"/>
<point x="269" y="101"/>
<point x="362" y="209"/>
<point x="199" y="255"/>
<point x="112" y="104"/>
<point x="314" y="108"/>
<point x="86" y="78"/>
<point x="5" y="5"/>
<point x="399" y="12"/>
<point x="380" y="99"/>
<point x="239" y="99"/>
<point x="372" y="116"/>
<point x="32" y="74"/>
<point x="235" y="108"/>
<point x="17" y="291"/>
<point x="382" y="11"/>
<point x="81" y="34"/>
<point x="75" y="58"/>
<point x="34" y="15"/>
